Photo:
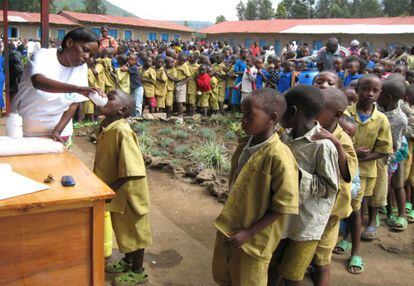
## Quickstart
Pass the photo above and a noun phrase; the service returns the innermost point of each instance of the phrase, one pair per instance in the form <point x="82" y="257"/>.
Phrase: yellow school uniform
<point x="123" y="80"/>
<point x="161" y="87"/>
<point x="267" y="181"/>
<point x="100" y="77"/>
<point x="374" y="134"/>
<point x="220" y="70"/>
<point x="169" y="97"/>
<point x="230" y="80"/>
<point x="87" y="106"/>
<point x="213" y="99"/>
<point x="149" y="87"/>
<point x="118" y="156"/>
<point x="342" y="206"/>
<point x="183" y="71"/>
<point x="108" y="73"/>
<point x="192" y="84"/>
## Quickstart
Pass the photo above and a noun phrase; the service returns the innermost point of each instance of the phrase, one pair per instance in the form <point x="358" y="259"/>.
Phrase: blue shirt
<point x="240" y="66"/>
<point x="363" y="117"/>
<point x="114" y="63"/>
<point x="351" y="78"/>
<point x="284" y="82"/>
<point x="259" y="78"/>
<point x="370" y="65"/>
<point x="134" y="77"/>
<point x="341" y="75"/>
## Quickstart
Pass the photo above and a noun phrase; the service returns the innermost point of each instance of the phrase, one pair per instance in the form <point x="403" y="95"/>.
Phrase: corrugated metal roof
<point x="25" y="17"/>
<point x="390" y="25"/>
<point x="127" y="21"/>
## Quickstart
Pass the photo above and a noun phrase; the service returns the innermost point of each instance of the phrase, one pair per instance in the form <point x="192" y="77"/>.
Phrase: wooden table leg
<point x="98" y="260"/>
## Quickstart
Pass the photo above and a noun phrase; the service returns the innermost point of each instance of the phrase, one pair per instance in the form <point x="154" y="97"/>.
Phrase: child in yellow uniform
<point x="319" y="183"/>
<point x="231" y="78"/>
<point x="122" y="74"/>
<point x="172" y="78"/>
<point x="87" y="106"/>
<point x="213" y="100"/>
<point x="183" y="75"/>
<point x="160" y="83"/>
<point x="329" y="118"/>
<point x="264" y="192"/>
<point x="106" y="62"/>
<point x="119" y="163"/>
<point x="192" y="84"/>
<point x="373" y="141"/>
<point x="220" y="72"/>
<point x="148" y="78"/>
<point x="204" y="89"/>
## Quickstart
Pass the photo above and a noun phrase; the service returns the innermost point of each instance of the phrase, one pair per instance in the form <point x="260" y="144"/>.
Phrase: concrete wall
<point x="280" y="40"/>
<point x="30" y="31"/>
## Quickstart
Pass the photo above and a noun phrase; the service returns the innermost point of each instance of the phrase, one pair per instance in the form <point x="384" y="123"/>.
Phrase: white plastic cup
<point x="14" y="126"/>
<point x="97" y="99"/>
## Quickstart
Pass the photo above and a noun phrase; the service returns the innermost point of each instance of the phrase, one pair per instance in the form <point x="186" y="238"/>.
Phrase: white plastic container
<point x="97" y="99"/>
<point x="14" y="126"/>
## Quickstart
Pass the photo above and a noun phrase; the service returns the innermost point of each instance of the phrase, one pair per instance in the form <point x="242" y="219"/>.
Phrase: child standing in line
<point x="338" y="64"/>
<point x="264" y="192"/>
<point x="137" y="90"/>
<point x="87" y="106"/>
<point x="122" y="74"/>
<point x="160" y="83"/>
<point x="248" y="83"/>
<point x="204" y="86"/>
<point x="106" y="62"/>
<point x="148" y="78"/>
<point x="239" y="68"/>
<point x="319" y="181"/>
<point x="172" y="78"/>
<point x="262" y="75"/>
<point x="192" y="84"/>
<point x="352" y="70"/>
<point x="274" y="71"/>
<point x="369" y="149"/>
<point x="351" y="95"/>
<point x="393" y="90"/>
<point x="220" y="73"/>
<point x="183" y="75"/>
<point x="119" y="163"/>
<point x="231" y="78"/>
<point x="214" y="95"/>
<point x="327" y="79"/>
<point x="286" y="78"/>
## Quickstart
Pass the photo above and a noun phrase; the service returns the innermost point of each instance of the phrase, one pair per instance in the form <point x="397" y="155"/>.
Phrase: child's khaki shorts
<point x="169" y="98"/>
<point x="323" y="253"/>
<point x="296" y="259"/>
<point x="160" y="101"/>
<point x="379" y="194"/>
<point x="213" y="102"/>
<point x="191" y="98"/>
<point x="221" y="91"/>
<point x="232" y="266"/>
<point x="366" y="189"/>
<point x="132" y="231"/>
<point x="408" y="164"/>
<point x="204" y="99"/>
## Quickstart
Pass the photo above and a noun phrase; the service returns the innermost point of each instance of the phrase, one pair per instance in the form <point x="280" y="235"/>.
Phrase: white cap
<point x="354" y="43"/>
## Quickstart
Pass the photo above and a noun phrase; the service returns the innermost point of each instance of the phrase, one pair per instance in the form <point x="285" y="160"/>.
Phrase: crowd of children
<point x="316" y="161"/>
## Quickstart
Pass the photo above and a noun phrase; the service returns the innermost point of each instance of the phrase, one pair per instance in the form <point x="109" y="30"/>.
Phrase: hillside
<point x="76" y="5"/>
<point x="196" y="25"/>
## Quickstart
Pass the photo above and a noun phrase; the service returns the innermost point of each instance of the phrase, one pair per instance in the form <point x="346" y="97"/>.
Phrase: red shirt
<point x="255" y="50"/>
<point x="203" y="82"/>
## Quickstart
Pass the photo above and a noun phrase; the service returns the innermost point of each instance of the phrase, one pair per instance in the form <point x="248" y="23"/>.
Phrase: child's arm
<point x="342" y="159"/>
<point x="364" y="154"/>
<point x="173" y="79"/>
<point x="239" y="237"/>
<point x="64" y="120"/>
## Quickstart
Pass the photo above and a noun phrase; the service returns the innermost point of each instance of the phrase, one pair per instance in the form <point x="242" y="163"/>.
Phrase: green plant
<point x="166" y="131"/>
<point x="176" y="162"/>
<point x="159" y="153"/>
<point x="146" y="142"/>
<point x="230" y="135"/>
<point x="181" y="134"/>
<point x="182" y="150"/>
<point x="165" y="142"/>
<point x="140" y="127"/>
<point x="211" y="155"/>
<point x="235" y="127"/>
<point x="208" y="133"/>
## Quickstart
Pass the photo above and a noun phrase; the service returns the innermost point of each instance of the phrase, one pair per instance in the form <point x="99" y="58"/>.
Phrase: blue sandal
<point x="369" y="234"/>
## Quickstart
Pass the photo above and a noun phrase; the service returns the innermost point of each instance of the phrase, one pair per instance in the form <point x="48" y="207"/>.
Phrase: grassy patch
<point x="159" y="153"/>
<point x="166" y="131"/>
<point x="182" y="150"/>
<point x="176" y="162"/>
<point x="165" y="142"/>
<point x="141" y="127"/>
<point x="146" y="142"/>
<point x="211" y="155"/>
<point x="208" y="134"/>
<point x="230" y="135"/>
<point x="181" y="134"/>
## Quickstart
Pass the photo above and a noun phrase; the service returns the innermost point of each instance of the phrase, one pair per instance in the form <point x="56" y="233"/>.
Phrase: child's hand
<point x="362" y="152"/>
<point x="124" y="68"/>
<point x="239" y="237"/>
<point x="324" y="134"/>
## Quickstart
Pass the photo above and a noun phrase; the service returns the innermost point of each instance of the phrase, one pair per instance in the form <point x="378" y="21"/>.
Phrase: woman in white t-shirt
<point x="53" y="84"/>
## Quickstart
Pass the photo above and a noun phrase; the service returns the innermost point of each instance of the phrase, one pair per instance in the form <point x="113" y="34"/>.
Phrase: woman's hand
<point x="86" y="90"/>
<point x="56" y="136"/>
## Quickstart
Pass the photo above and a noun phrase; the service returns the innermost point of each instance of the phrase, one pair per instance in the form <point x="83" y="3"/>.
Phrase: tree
<point x="94" y="7"/>
<point x="366" y="8"/>
<point x="240" y="8"/>
<point x="250" y="13"/>
<point x="266" y="10"/>
<point x="220" y="19"/>
<point x="281" y="12"/>
<point x="28" y="6"/>
<point x="300" y="9"/>
<point x="393" y="8"/>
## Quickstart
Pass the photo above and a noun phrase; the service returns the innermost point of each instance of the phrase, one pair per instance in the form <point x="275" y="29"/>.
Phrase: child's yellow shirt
<point x="374" y="134"/>
<point x="161" y="86"/>
<point x="183" y="71"/>
<point x="170" y="84"/>
<point x="269" y="180"/>
<point x="149" y="87"/>
<point x="230" y="80"/>
<point x="192" y="84"/>
<point x="109" y="78"/>
<point x="214" y="83"/>
<point x="220" y="70"/>
<point x="123" y="80"/>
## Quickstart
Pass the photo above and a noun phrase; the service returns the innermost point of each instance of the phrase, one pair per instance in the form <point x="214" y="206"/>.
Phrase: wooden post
<point x="6" y="54"/>
<point x="45" y="23"/>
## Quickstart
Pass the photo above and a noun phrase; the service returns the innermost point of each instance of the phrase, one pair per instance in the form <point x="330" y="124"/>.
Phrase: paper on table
<point x="13" y="184"/>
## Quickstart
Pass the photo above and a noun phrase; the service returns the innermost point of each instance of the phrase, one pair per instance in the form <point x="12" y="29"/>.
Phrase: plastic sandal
<point x="383" y="210"/>
<point x="356" y="262"/>
<point x="343" y="247"/>
<point x="117" y="266"/>
<point x="377" y="220"/>
<point x="390" y="220"/>
<point x="408" y="207"/>
<point x="400" y="224"/>
<point x="131" y="278"/>
<point x="370" y="233"/>
<point x="410" y="217"/>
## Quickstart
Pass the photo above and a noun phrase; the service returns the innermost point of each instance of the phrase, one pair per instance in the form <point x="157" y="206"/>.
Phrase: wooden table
<point x="53" y="237"/>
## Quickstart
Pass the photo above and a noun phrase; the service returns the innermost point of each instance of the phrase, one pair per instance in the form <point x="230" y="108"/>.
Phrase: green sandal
<point x="130" y="278"/>
<point x="391" y="220"/>
<point x="408" y="207"/>
<point x="400" y="224"/>
<point x="117" y="266"/>
<point x="383" y="210"/>
<point x="410" y="217"/>
<point x="356" y="262"/>
<point x="370" y="233"/>
<point x="343" y="247"/>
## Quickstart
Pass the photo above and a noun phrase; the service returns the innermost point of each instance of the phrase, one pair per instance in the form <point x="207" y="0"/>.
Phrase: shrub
<point x="182" y="150"/>
<point x="166" y="131"/>
<point x="140" y="127"/>
<point x="165" y="142"/>
<point x="211" y="155"/>
<point x="181" y="134"/>
<point x="146" y="142"/>
<point x="159" y="153"/>
<point x="230" y="135"/>
<point x="176" y="162"/>
<point x="208" y="134"/>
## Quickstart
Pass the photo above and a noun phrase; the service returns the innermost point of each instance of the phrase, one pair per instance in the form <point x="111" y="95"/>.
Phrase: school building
<point x="377" y="32"/>
<point x="25" y="25"/>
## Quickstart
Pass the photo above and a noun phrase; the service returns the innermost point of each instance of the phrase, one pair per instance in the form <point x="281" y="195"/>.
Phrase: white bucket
<point x="14" y="126"/>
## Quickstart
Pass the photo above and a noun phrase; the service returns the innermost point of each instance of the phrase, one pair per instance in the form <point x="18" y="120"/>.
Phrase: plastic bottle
<point x="14" y="126"/>
<point x="97" y="99"/>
